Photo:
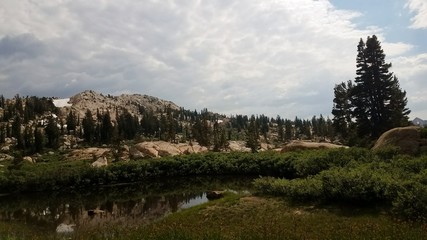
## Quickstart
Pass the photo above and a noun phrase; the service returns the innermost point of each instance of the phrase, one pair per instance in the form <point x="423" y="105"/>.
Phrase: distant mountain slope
<point x="133" y="103"/>
<point x="419" y="122"/>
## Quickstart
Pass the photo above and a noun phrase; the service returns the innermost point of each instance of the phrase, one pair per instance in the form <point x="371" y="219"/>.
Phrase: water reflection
<point x="126" y="205"/>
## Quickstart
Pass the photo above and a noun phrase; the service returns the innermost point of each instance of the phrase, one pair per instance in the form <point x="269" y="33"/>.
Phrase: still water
<point x="68" y="211"/>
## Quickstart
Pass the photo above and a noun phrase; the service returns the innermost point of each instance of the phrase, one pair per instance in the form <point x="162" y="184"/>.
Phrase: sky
<point x="272" y="57"/>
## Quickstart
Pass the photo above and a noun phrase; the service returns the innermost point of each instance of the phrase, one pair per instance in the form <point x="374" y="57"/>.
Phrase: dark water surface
<point x="127" y="204"/>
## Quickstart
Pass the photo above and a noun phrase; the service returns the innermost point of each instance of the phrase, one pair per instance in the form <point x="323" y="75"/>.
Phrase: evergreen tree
<point x="52" y="133"/>
<point x="38" y="140"/>
<point x="149" y="124"/>
<point x="263" y="125"/>
<point x="71" y="122"/>
<point x="252" y="136"/>
<point x="106" y="128"/>
<point x="2" y="133"/>
<point x="375" y="91"/>
<point x="342" y="109"/>
<point x="127" y="125"/>
<point x="375" y="100"/>
<point x="201" y="130"/>
<point x="28" y="139"/>
<point x="16" y="131"/>
<point x="2" y="101"/>
<point x="280" y="129"/>
<point x="88" y="125"/>
<point x="19" y="107"/>
<point x="288" y="130"/>
<point x="399" y="112"/>
<point x="219" y="137"/>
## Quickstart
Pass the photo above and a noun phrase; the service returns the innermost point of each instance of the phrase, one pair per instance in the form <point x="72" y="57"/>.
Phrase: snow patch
<point x="62" y="102"/>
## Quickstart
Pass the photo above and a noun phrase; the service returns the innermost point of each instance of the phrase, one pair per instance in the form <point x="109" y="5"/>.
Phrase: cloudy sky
<point x="273" y="57"/>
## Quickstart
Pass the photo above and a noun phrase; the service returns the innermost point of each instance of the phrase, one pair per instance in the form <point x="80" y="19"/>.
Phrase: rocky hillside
<point x="133" y="103"/>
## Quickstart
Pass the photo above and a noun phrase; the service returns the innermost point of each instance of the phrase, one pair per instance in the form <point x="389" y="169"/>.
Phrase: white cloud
<point x="419" y="8"/>
<point x="412" y="72"/>
<point x="396" y="49"/>
<point x="271" y="57"/>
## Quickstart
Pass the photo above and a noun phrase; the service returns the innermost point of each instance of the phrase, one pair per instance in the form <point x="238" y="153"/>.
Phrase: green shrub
<point x="387" y="153"/>
<point x="411" y="202"/>
<point x="423" y="132"/>
<point x="359" y="185"/>
<point x="305" y="189"/>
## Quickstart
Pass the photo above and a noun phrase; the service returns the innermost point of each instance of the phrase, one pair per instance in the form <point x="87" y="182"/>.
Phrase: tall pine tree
<point x="376" y="101"/>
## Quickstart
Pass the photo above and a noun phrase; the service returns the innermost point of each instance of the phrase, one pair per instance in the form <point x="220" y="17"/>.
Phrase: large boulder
<point x="65" y="228"/>
<point x="5" y="157"/>
<point x="199" y="149"/>
<point x="135" y="154"/>
<point x="212" y="195"/>
<point x="407" y="139"/>
<point x="304" y="145"/>
<point x="28" y="159"/>
<point x="148" y="149"/>
<point x="238" y="146"/>
<point x="88" y="153"/>
<point x="5" y="148"/>
<point x="167" y="149"/>
<point x="185" y="148"/>
<point x="100" y="162"/>
<point x="162" y="149"/>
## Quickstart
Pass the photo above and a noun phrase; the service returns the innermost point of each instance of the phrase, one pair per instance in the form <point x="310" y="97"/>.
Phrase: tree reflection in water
<point x="128" y="205"/>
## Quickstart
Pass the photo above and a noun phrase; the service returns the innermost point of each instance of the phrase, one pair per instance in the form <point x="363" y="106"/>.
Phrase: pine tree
<point x="219" y="137"/>
<point x="88" y="125"/>
<point x="280" y="129"/>
<point x="375" y="90"/>
<point x="342" y="109"/>
<point x="399" y="111"/>
<point x="201" y="130"/>
<point x="28" y="139"/>
<point x="2" y="133"/>
<point x="52" y="133"/>
<point x="375" y="100"/>
<point x="288" y="130"/>
<point x="16" y="131"/>
<point x="252" y="136"/>
<point x="106" y="128"/>
<point x="38" y="140"/>
<point x="71" y="122"/>
<point x="127" y="125"/>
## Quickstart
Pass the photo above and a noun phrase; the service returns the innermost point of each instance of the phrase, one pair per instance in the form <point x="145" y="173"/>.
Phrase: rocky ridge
<point x="133" y="103"/>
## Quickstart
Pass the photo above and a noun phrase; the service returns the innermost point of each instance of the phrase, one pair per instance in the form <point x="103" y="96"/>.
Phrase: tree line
<point x="36" y="124"/>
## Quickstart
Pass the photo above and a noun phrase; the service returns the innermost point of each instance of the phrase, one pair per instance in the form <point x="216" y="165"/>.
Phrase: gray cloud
<point x="233" y="57"/>
<point x="20" y="47"/>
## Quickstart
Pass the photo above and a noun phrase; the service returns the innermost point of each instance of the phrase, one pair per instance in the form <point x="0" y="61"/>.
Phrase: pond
<point x="66" y="212"/>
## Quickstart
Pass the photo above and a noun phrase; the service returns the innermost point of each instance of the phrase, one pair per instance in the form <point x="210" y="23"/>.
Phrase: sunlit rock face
<point x="133" y="103"/>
